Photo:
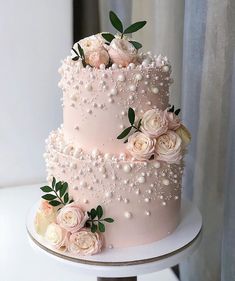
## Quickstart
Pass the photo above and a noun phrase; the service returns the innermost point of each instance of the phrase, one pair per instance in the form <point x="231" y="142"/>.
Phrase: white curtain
<point x="199" y="39"/>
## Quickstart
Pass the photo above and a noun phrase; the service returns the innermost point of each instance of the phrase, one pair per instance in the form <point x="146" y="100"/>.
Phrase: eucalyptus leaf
<point x="93" y="228"/>
<point x="49" y="197"/>
<point x="116" y="22"/>
<point x="124" y="133"/>
<point x="53" y="182"/>
<point x="63" y="189"/>
<point x="108" y="36"/>
<point x="93" y="213"/>
<point x="66" y="198"/>
<point x="177" y="111"/>
<point x="99" y="212"/>
<point x="58" y="185"/>
<point x="101" y="227"/>
<point x="134" y="27"/>
<point x="131" y="115"/>
<point x="137" y="45"/>
<point x="109" y="220"/>
<point x="54" y="203"/>
<point x="46" y="188"/>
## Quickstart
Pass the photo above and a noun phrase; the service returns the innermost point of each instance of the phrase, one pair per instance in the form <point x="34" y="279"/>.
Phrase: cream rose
<point x="94" y="51"/>
<point x="84" y="243"/>
<point x="141" y="146"/>
<point x="173" y="120"/>
<point x="154" y="123"/>
<point x="45" y="215"/>
<point x="122" y="52"/>
<point x="71" y="217"/>
<point x="169" y="147"/>
<point x="184" y="133"/>
<point x="56" y="236"/>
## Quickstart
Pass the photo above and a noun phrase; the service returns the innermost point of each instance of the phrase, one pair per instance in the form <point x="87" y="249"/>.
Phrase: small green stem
<point x="121" y="35"/>
<point x="58" y="197"/>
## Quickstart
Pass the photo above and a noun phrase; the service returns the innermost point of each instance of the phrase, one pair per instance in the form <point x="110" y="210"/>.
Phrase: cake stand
<point x="126" y="264"/>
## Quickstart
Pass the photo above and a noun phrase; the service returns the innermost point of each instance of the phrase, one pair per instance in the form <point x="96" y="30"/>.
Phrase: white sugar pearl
<point x="110" y="100"/>
<point x="89" y="111"/>
<point x="127" y="215"/>
<point x="164" y="203"/>
<point x="165" y="181"/>
<point x="147" y="213"/>
<point x="137" y="192"/>
<point x="102" y="169"/>
<point x="176" y="197"/>
<point x="88" y="87"/>
<point x="110" y="246"/>
<point x="123" y="113"/>
<point x="165" y="68"/>
<point x="138" y="77"/>
<point x="132" y="65"/>
<point x="156" y="165"/>
<point x="85" y="201"/>
<point x="132" y="88"/>
<point x="126" y="200"/>
<point x="114" y="66"/>
<point x="109" y="194"/>
<point x="75" y="187"/>
<point x="131" y="97"/>
<point x="102" y="66"/>
<point x="121" y="78"/>
<point x="161" y="197"/>
<point x="121" y="126"/>
<point x="95" y="152"/>
<point x="114" y="177"/>
<point x="104" y="75"/>
<point x="89" y="170"/>
<point x="73" y="165"/>
<point x="127" y="168"/>
<point x="76" y="128"/>
<point x="147" y="200"/>
<point x="155" y="90"/>
<point x="141" y="179"/>
<point x="113" y="92"/>
<point x="83" y="184"/>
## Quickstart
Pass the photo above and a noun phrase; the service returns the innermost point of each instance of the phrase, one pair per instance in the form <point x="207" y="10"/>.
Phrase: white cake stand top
<point x="134" y="260"/>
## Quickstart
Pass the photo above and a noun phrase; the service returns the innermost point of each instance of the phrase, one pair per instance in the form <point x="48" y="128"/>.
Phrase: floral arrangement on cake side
<point x="65" y="226"/>
<point x="158" y="135"/>
<point x="105" y="49"/>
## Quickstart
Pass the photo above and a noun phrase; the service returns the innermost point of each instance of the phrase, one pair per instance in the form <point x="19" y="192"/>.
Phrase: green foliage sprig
<point x="79" y="54"/>
<point x="118" y="25"/>
<point x="131" y="118"/>
<point x="95" y="221"/>
<point x="172" y="109"/>
<point x="57" y="194"/>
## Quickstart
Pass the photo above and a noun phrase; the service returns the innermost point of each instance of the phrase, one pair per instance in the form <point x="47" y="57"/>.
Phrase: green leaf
<point x="124" y="133"/>
<point x="66" y="198"/>
<point x="46" y="188"/>
<point x="58" y="185"/>
<point x="131" y="115"/>
<point x="99" y="212"/>
<point x="171" y="109"/>
<point x="137" y="45"/>
<point x="135" y="26"/>
<point x="53" y="182"/>
<point x="177" y="111"/>
<point x="54" y="203"/>
<point x="75" y="58"/>
<point x="108" y="36"/>
<point x="116" y="22"/>
<point x="81" y="52"/>
<point x="93" y="213"/>
<point x="109" y="220"/>
<point x="49" y="197"/>
<point x="93" y="228"/>
<point x="101" y="227"/>
<point x="75" y="51"/>
<point x="71" y="201"/>
<point x="63" y="189"/>
<point x="139" y="124"/>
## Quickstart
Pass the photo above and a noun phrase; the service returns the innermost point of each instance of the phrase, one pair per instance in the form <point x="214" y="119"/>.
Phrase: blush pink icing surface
<point x="96" y="102"/>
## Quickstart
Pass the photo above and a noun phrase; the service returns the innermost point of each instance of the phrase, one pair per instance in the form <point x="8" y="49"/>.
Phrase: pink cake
<point x="138" y="182"/>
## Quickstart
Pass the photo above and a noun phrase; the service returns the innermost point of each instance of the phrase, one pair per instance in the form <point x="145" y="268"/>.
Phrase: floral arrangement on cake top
<point x="159" y="135"/>
<point x="65" y="226"/>
<point x="102" y="50"/>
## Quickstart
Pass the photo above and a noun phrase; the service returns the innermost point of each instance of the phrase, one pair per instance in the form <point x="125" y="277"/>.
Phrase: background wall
<point x="35" y="36"/>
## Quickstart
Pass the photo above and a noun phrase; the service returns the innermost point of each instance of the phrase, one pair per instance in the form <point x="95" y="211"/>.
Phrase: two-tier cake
<point x="120" y="148"/>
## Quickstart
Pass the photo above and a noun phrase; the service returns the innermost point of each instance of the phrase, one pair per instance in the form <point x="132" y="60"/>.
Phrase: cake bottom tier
<point x="143" y="198"/>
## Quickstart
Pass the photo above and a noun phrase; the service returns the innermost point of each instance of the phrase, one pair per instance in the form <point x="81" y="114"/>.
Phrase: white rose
<point x="84" y="243"/>
<point x="169" y="147"/>
<point x="122" y="52"/>
<point x="56" y="236"/>
<point x="94" y="51"/>
<point x="184" y="133"/>
<point x="45" y="215"/>
<point x="141" y="146"/>
<point x="71" y="217"/>
<point x="154" y="123"/>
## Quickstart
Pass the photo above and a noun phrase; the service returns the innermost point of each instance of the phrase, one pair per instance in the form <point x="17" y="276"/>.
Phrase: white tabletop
<point x="19" y="260"/>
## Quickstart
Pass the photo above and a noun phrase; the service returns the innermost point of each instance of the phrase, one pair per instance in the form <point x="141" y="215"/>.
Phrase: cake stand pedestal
<point x="126" y="264"/>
